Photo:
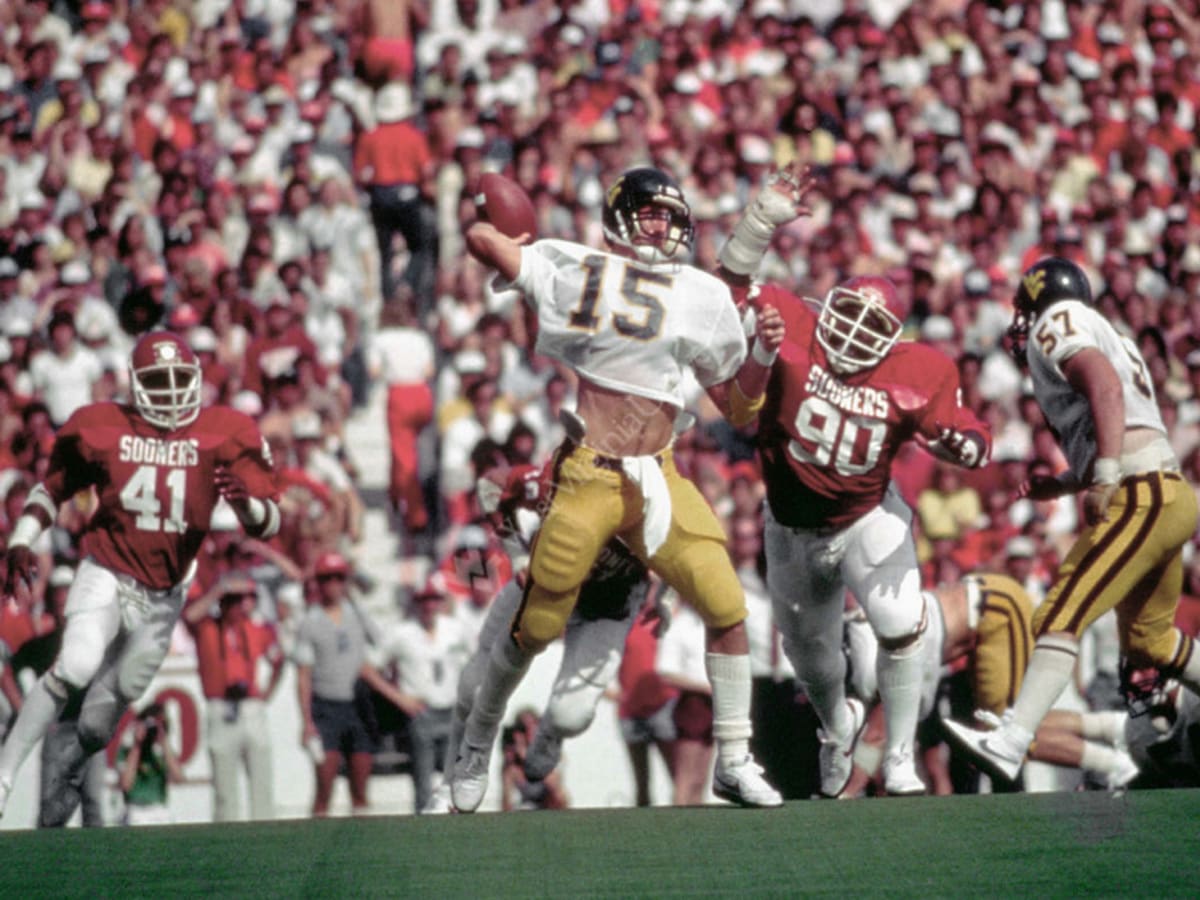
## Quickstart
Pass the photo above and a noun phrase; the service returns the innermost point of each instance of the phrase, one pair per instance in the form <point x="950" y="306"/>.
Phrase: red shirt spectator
<point x="395" y="152"/>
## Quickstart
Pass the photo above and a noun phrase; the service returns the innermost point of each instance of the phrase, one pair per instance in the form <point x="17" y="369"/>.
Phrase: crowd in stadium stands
<point x="285" y="184"/>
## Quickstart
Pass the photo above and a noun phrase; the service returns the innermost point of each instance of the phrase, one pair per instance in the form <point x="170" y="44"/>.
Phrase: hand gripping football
<point x="505" y="204"/>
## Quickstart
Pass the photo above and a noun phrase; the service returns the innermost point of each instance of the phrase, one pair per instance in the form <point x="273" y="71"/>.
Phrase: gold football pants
<point x="1004" y="640"/>
<point x="592" y="501"/>
<point x="1131" y="562"/>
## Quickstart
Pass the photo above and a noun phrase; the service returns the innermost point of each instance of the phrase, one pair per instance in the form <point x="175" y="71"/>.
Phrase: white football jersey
<point x="1061" y="331"/>
<point x="628" y="326"/>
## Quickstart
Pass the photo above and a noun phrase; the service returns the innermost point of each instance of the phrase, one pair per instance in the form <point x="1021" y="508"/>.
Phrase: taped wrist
<point x="744" y="250"/>
<point x="1106" y="471"/>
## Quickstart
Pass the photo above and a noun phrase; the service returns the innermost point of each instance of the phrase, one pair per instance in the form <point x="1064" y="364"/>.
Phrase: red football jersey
<point x="827" y="440"/>
<point x="156" y="488"/>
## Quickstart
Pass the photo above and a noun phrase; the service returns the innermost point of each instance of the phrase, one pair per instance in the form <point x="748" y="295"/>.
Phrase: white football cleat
<point x="1000" y="753"/>
<point x="543" y="754"/>
<point x="470" y="777"/>
<point x="836" y="758"/>
<point x="1122" y="773"/>
<point x="741" y="782"/>
<point x="440" y="802"/>
<point x="900" y="777"/>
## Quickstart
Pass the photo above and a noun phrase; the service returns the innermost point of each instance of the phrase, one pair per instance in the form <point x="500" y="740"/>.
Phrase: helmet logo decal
<point x="1034" y="282"/>
<point x="873" y="295"/>
<point x="166" y="352"/>
<point x="615" y="190"/>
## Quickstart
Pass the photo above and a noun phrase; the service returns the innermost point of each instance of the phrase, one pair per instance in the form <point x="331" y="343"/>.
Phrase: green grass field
<point x="1142" y="844"/>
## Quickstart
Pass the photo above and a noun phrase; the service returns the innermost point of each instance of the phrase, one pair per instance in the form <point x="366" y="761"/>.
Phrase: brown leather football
<point x="504" y="203"/>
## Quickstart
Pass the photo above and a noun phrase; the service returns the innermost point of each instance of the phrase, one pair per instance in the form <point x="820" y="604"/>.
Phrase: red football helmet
<point x="860" y="321"/>
<point x="164" y="376"/>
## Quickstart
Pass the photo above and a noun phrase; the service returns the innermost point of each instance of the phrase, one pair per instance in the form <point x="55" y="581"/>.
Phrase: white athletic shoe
<point x="1000" y="753"/>
<point x="543" y="754"/>
<point x="5" y="790"/>
<point x="440" y="802"/>
<point x="900" y="777"/>
<point x="836" y="758"/>
<point x="1122" y="773"/>
<point x="741" y="782"/>
<point x="470" y="777"/>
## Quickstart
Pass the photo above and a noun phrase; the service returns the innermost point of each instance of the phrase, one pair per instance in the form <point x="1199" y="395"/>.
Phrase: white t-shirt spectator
<point x="65" y="382"/>
<point x="428" y="665"/>
<point x="401" y="355"/>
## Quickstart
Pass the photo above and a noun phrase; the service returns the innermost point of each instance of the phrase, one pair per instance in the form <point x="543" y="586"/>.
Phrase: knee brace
<point x="906" y="644"/>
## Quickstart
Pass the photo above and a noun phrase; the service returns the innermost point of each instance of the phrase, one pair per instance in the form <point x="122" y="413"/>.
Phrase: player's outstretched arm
<point x="495" y="249"/>
<point x="20" y="560"/>
<point x="782" y="199"/>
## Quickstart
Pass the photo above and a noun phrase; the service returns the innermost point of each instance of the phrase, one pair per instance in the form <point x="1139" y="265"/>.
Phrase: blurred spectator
<point x="233" y="643"/>
<point x="347" y="504"/>
<point x="518" y="792"/>
<point x="331" y="660"/>
<point x="393" y="163"/>
<point x="401" y="355"/>
<point x="680" y="664"/>
<point x="65" y="373"/>
<point x="646" y="703"/>
<point x="428" y="651"/>
<point x="147" y="767"/>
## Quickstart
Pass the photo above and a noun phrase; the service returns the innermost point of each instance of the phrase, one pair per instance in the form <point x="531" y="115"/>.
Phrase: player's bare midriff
<point x="620" y="424"/>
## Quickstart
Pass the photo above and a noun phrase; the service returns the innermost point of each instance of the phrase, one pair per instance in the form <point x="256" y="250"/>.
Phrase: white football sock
<point x="729" y="676"/>
<point x="506" y="667"/>
<point x="1051" y="666"/>
<point x="1106" y="725"/>
<point x="899" y="673"/>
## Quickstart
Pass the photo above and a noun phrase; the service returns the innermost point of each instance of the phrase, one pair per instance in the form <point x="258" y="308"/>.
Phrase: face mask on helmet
<point x="646" y="215"/>
<point x="164" y="377"/>
<point x="859" y="323"/>
<point x="1148" y="692"/>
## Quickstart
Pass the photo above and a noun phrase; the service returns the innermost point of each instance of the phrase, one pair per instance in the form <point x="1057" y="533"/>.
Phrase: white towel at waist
<point x="647" y="474"/>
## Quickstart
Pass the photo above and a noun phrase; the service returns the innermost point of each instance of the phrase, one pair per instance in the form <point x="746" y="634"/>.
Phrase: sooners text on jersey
<point x="156" y="488"/>
<point x="828" y="440"/>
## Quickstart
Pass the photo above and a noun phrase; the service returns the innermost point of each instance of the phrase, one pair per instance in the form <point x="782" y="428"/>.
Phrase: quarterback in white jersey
<point x="629" y="322"/>
<point x="618" y="322"/>
<point x="1095" y="391"/>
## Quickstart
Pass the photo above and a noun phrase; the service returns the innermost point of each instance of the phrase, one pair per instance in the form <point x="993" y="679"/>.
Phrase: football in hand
<point x="505" y="204"/>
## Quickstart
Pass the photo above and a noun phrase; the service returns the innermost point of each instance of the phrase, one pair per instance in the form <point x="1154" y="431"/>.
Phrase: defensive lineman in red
<point x="845" y="394"/>
<point x="159" y="467"/>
